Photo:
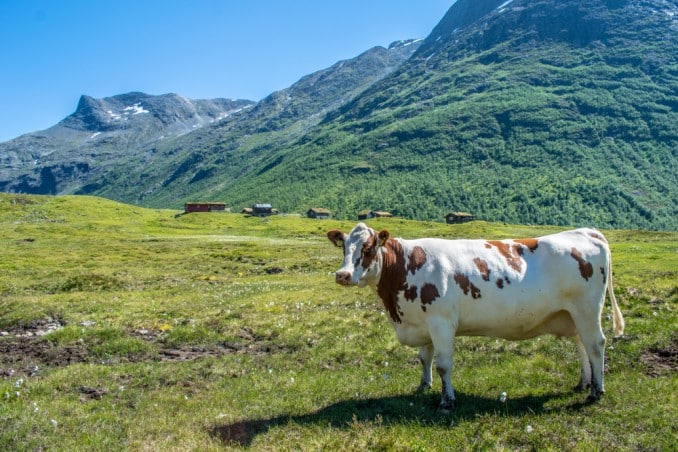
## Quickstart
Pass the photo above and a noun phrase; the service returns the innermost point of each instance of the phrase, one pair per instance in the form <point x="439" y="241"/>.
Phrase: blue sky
<point x="53" y="51"/>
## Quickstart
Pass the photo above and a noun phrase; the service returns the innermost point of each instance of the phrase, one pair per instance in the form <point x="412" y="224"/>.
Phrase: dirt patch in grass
<point x="30" y="355"/>
<point x="661" y="360"/>
<point x="25" y="352"/>
<point x="191" y="353"/>
<point x="88" y="393"/>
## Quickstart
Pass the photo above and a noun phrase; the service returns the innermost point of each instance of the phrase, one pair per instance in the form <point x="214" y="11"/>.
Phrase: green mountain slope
<point x="544" y="111"/>
<point x="172" y="171"/>
<point x="558" y="112"/>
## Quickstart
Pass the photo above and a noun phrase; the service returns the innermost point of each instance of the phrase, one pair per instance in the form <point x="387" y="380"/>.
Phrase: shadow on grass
<point x="420" y="408"/>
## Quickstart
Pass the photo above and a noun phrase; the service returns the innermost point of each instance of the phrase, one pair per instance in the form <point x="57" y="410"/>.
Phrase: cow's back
<point x="514" y="289"/>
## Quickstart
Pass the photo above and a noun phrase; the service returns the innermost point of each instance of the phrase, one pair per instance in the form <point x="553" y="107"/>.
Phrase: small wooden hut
<point x="318" y="213"/>
<point x="459" y="217"/>
<point x="191" y="207"/>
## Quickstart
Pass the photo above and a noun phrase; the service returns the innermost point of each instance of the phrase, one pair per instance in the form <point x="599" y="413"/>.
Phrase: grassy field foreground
<point x="136" y="329"/>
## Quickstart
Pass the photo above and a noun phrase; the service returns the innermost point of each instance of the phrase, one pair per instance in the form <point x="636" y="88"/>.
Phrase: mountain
<point x="107" y="142"/>
<point x="525" y="111"/>
<point x="171" y="172"/>
<point x="530" y="111"/>
<point x="99" y="135"/>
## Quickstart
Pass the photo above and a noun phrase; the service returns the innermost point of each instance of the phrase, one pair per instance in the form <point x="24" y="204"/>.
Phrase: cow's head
<point x="362" y="264"/>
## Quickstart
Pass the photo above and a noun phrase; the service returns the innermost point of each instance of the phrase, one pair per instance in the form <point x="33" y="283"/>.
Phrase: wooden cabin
<point x="318" y="213"/>
<point x="191" y="207"/>
<point x="459" y="217"/>
<point x="263" y="210"/>
<point x="367" y="214"/>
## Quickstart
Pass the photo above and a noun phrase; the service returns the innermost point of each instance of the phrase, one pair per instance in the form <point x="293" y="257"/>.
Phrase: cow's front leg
<point x="443" y="342"/>
<point x="426" y="359"/>
<point x="444" y="368"/>
<point x="585" y="379"/>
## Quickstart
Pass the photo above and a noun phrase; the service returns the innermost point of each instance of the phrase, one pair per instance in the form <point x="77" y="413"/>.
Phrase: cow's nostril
<point x="343" y="277"/>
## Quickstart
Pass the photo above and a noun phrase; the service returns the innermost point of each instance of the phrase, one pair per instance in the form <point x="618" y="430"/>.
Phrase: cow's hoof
<point x="446" y="406"/>
<point x="590" y="399"/>
<point x="593" y="397"/>
<point x="581" y="387"/>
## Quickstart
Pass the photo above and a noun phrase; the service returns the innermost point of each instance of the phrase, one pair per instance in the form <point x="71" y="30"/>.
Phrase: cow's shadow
<point x="410" y="408"/>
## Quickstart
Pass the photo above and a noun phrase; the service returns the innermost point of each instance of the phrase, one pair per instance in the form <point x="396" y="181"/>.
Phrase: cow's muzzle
<point x="344" y="278"/>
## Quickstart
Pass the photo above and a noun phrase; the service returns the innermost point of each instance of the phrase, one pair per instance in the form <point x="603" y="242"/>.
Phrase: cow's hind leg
<point x="585" y="379"/>
<point x="593" y="340"/>
<point x="443" y="343"/>
<point x="426" y="359"/>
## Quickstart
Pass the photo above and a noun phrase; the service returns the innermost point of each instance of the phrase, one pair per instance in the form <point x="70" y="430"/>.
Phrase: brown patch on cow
<point x="368" y="253"/>
<point x="416" y="259"/>
<point x="585" y="268"/>
<point x="429" y="292"/>
<point x="466" y="285"/>
<point x="483" y="268"/>
<point x="597" y="236"/>
<point x="512" y="253"/>
<point x="411" y="293"/>
<point x="393" y="277"/>
<point x="500" y="283"/>
<point x="531" y="244"/>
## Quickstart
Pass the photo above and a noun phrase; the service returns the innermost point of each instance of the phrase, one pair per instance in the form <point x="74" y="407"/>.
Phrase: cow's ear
<point x="383" y="236"/>
<point x="336" y="237"/>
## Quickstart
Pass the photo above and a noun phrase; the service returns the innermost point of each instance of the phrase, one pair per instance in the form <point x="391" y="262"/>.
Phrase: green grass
<point x="213" y="331"/>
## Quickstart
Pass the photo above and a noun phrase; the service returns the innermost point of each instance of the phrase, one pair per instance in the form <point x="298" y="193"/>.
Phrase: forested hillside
<point x="536" y="112"/>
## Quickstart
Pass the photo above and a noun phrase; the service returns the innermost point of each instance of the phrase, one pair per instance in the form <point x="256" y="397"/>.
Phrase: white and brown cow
<point x="435" y="289"/>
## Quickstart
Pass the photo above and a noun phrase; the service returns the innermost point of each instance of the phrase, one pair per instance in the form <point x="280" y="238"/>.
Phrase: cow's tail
<point x="617" y="318"/>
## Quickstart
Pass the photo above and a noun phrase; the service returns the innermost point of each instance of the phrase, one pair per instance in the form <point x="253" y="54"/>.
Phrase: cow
<point x="435" y="289"/>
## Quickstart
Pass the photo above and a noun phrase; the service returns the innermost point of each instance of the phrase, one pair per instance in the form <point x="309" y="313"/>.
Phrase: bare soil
<point x="24" y="351"/>
<point x="661" y="360"/>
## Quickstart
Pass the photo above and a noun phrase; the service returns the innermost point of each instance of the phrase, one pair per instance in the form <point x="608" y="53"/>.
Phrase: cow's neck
<point x="393" y="277"/>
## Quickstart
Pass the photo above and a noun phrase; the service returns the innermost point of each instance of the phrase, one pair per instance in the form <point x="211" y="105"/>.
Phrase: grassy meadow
<point x="123" y="328"/>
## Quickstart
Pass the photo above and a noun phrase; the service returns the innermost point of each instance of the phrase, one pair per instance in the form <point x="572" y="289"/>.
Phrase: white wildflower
<point x="18" y="383"/>
<point x="529" y="429"/>
<point x="53" y="422"/>
<point x="502" y="397"/>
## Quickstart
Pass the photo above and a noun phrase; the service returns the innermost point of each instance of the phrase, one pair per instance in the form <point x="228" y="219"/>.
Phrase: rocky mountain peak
<point x="133" y="110"/>
<point x="471" y="26"/>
